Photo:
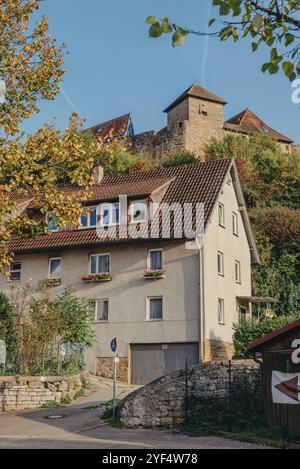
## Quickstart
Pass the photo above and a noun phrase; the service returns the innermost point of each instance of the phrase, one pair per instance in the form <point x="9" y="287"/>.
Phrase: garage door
<point x="151" y="361"/>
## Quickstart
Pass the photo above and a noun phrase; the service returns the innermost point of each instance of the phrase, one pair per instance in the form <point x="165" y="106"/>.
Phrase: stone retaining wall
<point x="161" y="402"/>
<point x="24" y="393"/>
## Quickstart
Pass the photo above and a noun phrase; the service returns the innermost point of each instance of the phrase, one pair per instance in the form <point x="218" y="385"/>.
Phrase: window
<point x="15" y="271"/>
<point x="100" y="264"/>
<point x="221" y="313"/>
<point x="51" y="221"/>
<point x="99" y="310"/>
<point x="235" y="226"/>
<point x="220" y="263"/>
<point x="155" y="309"/>
<point x="221" y="215"/>
<point x="139" y="211"/>
<point x="89" y="217"/>
<point x="243" y="314"/>
<point x="237" y="269"/>
<point x="55" y="267"/>
<point x="110" y="214"/>
<point x="155" y="259"/>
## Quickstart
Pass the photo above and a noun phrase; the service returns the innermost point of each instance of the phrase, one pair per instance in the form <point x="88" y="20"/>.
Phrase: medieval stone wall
<point x="28" y="393"/>
<point x="162" y="402"/>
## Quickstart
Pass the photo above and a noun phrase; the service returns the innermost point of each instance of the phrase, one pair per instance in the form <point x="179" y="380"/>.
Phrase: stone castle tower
<point x="195" y="117"/>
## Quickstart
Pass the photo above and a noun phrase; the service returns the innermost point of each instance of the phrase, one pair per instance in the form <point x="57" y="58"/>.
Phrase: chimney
<point x="98" y="173"/>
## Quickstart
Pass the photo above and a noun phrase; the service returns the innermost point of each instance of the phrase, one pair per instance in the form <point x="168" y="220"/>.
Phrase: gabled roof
<point x="259" y="344"/>
<point x="196" y="91"/>
<point x="194" y="183"/>
<point x="249" y="123"/>
<point x="114" y="128"/>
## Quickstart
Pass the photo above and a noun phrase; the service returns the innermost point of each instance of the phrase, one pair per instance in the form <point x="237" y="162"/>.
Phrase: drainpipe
<point x="200" y="243"/>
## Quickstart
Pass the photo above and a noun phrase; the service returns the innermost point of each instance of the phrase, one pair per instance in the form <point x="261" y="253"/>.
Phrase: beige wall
<point x="128" y="291"/>
<point x="215" y="286"/>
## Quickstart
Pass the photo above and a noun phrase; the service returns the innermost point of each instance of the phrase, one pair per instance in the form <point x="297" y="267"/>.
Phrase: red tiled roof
<point x="259" y="343"/>
<point x="195" y="183"/>
<point x="114" y="128"/>
<point x="196" y="91"/>
<point x="249" y="123"/>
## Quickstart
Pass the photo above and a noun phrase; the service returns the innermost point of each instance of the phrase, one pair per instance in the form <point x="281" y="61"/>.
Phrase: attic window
<point x="139" y="211"/>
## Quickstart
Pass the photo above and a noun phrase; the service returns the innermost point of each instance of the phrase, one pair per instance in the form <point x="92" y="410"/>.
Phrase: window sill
<point x="222" y="323"/>
<point x="101" y="322"/>
<point x="221" y="275"/>
<point x="154" y="320"/>
<point x="222" y="226"/>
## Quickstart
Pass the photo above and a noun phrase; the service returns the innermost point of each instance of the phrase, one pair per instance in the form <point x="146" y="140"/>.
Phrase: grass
<point x="268" y="436"/>
<point x="52" y="405"/>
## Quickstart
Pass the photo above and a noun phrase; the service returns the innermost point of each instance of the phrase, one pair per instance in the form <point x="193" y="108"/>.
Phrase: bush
<point x="7" y="327"/>
<point x="179" y="159"/>
<point x="253" y="329"/>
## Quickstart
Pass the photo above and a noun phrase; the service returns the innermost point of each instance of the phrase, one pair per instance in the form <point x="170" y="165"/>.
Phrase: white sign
<point x="296" y="353"/>
<point x="2" y="352"/>
<point x="286" y="388"/>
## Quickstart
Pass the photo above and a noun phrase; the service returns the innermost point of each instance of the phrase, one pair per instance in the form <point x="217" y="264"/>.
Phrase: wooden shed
<point x="280" y="352"/>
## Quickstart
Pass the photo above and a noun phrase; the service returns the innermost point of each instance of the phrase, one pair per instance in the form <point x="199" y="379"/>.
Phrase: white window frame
<point x="88" y="218"/>
<point x="221" y="320"/>
<point x="131" y="211"/>
<point x="220" y="254"/>
<point x="49" y="265"/>
<point x="18" y="271"/>
<point x="159" y="297"/>
<point x="235" y="223"/>
<point x="99" y="255"/>
<point x="221" y="221"/>
<point x="110" y="206"/>
<point x="96" y="301"/>
<point x="149" y="257"/>
<point x="238" y="278"/>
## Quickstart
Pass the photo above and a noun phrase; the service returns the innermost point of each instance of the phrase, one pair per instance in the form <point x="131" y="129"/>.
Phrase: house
<point x="193" y="118"/>
<point x="169" y="289"/>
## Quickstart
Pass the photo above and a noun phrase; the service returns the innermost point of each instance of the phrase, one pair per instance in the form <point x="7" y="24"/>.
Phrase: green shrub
<point x="179" y="159"/>
<point x="253" y="329"/>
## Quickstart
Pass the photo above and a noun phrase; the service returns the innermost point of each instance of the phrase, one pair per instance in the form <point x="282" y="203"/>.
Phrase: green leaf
<point x="254" y="46"/>
<point x="224" y="9"/>
<point x="178" y="37"/>
<point x="289" y="38"/>
<point x="265" y="67"/>
<point x="165" y="26"/>
<point x="257" y="22"/>
<point x="151" y="20"/>
<point x="155" y="30"/>
<point x="211" y="21"/>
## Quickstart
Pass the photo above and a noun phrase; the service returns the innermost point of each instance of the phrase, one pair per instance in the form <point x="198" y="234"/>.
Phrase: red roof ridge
<point x="272" y="335"/>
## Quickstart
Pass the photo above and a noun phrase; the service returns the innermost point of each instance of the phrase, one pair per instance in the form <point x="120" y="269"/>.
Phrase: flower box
<point x="154" y="274"/>
<point x="50" y="282"/>
<point x="96" y="278"/>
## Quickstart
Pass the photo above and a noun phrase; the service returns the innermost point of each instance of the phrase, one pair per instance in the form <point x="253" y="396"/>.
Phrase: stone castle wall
<point x="162" y="402"/>
<point x="28" y="393"/>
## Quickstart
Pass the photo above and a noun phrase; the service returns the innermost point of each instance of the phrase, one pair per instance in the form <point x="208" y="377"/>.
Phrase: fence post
<point x="286" y="427"/>
<point x="186" y="417"/>
<point x="229" y="422"/>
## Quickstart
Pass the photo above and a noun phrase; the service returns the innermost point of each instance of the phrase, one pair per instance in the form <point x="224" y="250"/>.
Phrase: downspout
<point x="200" y="243"/>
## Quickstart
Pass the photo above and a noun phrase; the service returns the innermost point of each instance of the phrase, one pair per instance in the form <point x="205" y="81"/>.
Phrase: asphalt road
<point x="81" y="427"/>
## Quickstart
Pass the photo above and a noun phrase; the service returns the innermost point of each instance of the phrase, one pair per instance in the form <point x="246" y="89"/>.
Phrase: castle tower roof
<point x="248" y="122"/>
<point x="196" y="91"/>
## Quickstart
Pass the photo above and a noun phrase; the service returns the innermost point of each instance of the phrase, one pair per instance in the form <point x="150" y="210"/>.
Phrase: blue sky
<point x="113" y="67"/>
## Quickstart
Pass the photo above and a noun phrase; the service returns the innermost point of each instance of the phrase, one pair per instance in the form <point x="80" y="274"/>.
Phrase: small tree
<point x="8" y="327"/>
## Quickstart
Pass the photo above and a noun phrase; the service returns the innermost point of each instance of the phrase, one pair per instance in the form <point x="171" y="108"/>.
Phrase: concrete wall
<point x="162" y="402"/>
<point x="216" y="286"/>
